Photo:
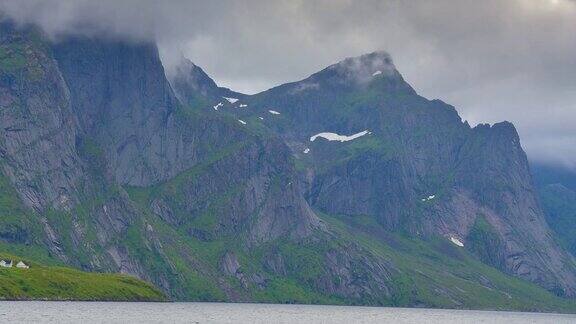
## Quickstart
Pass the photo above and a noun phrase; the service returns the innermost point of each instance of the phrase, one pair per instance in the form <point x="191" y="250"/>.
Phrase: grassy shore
<point x="41" y="282"/>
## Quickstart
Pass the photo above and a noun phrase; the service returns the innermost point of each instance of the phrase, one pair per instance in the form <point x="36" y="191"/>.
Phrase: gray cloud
<point x="493" y="59"/>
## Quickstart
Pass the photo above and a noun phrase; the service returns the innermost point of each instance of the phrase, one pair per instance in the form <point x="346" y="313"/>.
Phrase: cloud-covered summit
<point x="494" y="59"/>
<point x="362" y="69"/>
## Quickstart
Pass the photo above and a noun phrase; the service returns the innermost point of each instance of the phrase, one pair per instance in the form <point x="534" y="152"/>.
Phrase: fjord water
<point x="105" y="312"/>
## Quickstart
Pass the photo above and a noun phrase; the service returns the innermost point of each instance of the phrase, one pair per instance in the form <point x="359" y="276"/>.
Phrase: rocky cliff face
<point x="125" y="104"/>
<point x="38" y="134"/>
<point x="38" y="127"/>
<point x="55" y="170"/>
<point x="495" y="172"/>
<point x="122" y="101"/>
<point x="215" y="195"/>
<point x="87" y="119"/>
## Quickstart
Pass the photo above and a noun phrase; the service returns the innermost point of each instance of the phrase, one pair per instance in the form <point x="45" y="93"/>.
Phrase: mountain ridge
<point x="458" y="144"/>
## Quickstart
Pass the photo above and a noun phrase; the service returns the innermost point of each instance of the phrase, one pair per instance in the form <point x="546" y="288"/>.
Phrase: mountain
<point x="415" y="167"/>
<point x="344" y="188"/>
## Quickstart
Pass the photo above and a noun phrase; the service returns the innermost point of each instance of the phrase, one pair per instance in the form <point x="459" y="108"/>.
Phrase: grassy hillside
<point x="425" y="273"/>
<point x="441" y="275"/>
<point x="60" y="283"/>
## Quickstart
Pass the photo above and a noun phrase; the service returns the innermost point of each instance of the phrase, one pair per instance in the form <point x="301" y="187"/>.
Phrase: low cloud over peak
<point x="494" y="59"/>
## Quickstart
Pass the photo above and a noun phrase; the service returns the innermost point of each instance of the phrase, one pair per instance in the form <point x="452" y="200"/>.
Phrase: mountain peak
<point x="352" y="72"/>
<point x="194" y="77"/>
<point x="377" y="59"/>
<point x="365" y="67"/>
<point x="191" y="83"/>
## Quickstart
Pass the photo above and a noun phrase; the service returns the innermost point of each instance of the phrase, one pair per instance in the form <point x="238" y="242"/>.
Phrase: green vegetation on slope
<point x="431" y="274"/>
<point x="20" y="229"/>
<point x="441" y="275"/>
<point x="196" y="260"/>
<point x="485" y="243"/>
<point x="41" y="282"/>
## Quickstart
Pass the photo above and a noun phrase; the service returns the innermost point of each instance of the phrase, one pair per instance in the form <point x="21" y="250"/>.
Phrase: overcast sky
<point x="493" y="59"/>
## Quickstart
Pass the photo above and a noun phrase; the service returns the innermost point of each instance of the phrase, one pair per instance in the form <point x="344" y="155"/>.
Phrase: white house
<point x="6" y="263"/>
<point x="22" y="265"/>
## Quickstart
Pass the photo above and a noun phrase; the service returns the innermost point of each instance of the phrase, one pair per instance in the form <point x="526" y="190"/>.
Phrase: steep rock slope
<point x="54" y="179"/>
<point x="125" y="104"/>
<point x="367" y="144"/>
<point x="38" y="147"/>
<point x="36" y="122"/>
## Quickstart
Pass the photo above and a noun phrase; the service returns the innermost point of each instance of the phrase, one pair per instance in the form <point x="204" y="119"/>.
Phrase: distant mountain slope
<point x="557" y="190"/>
<point x="559" y="203"/>
<point x="546" y="174"/>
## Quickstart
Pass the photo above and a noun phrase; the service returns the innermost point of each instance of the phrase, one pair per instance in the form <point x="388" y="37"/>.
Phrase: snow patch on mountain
<point x="337" y="137"/>
<point x="230" y="100"/>
<point x="456" y="241"/>
<point x="429" y="198"/>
